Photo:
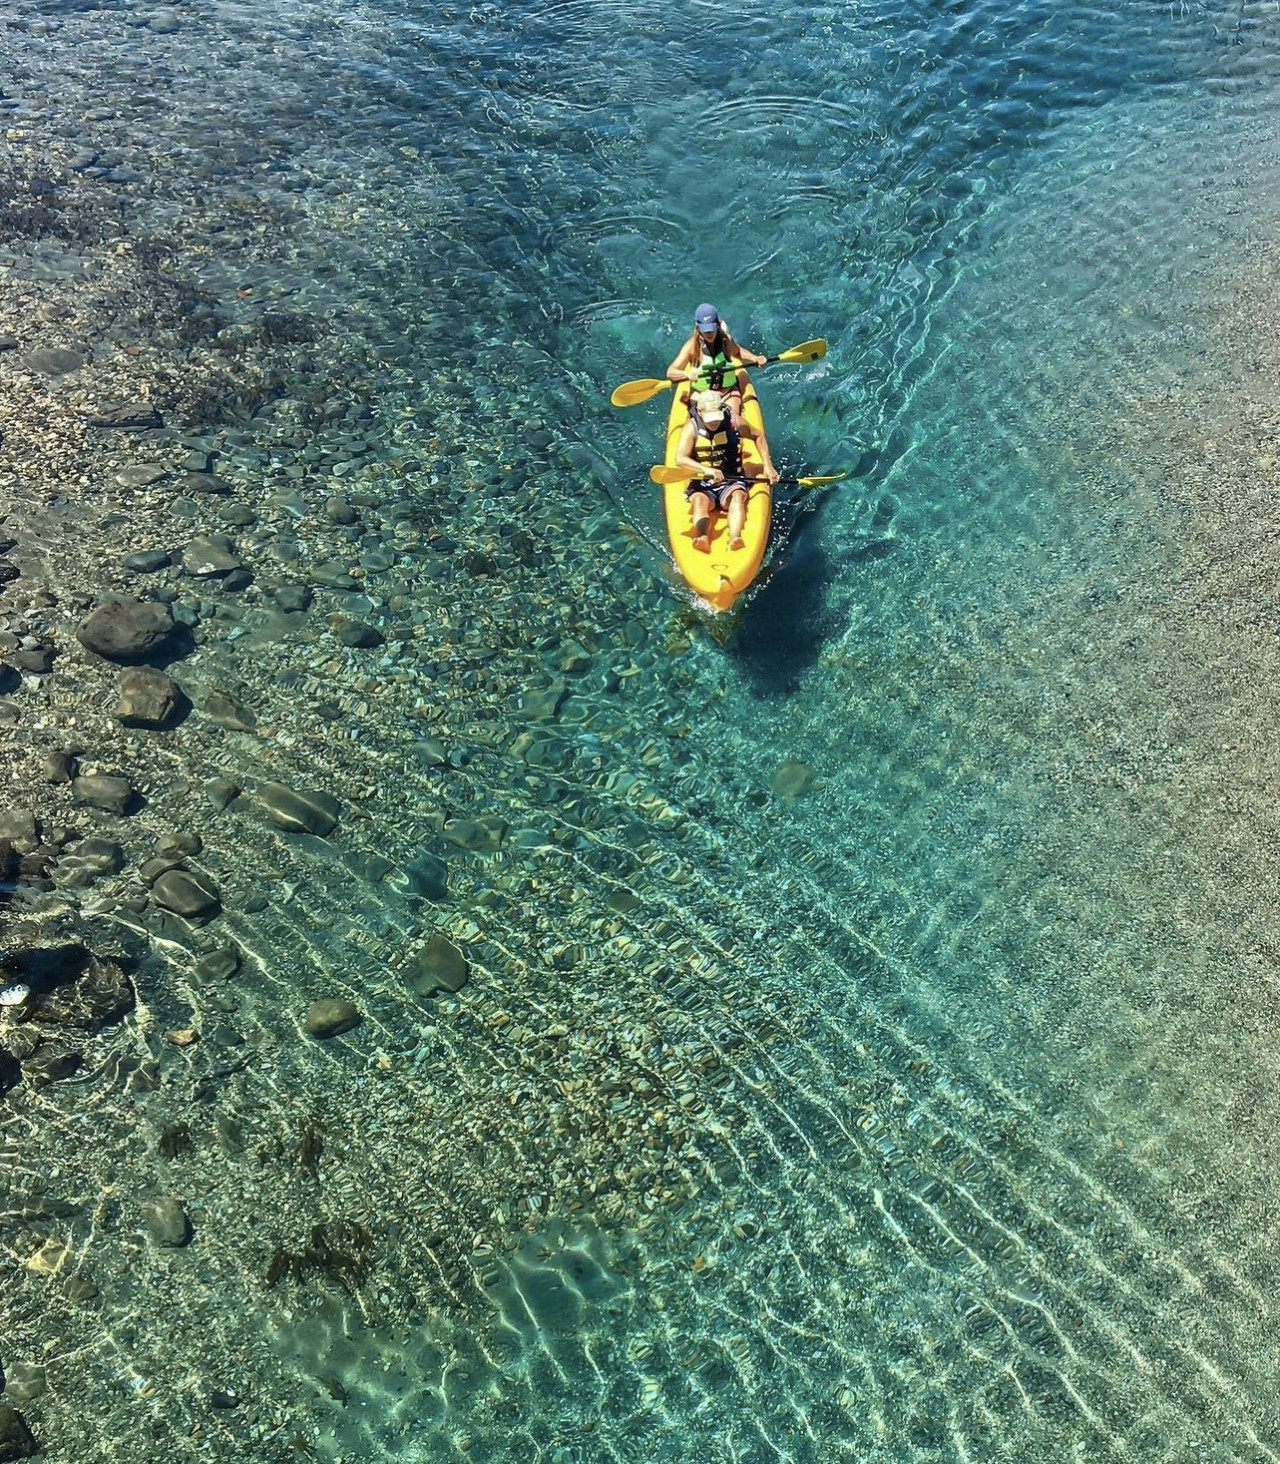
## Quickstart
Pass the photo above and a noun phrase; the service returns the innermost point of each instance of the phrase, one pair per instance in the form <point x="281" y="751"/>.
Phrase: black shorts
<point x="718" y="493"/>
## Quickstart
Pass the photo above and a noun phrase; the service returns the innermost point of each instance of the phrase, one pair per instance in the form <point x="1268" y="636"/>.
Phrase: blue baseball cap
<point x="707" y="318"/>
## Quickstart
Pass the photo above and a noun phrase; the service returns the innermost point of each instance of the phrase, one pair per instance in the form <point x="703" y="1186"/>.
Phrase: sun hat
<point x="707" y="318"/>
<point x="710" y="406"/>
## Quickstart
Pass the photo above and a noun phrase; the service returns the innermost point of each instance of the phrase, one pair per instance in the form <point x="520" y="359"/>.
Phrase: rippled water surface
<point x="868" y="1043"/>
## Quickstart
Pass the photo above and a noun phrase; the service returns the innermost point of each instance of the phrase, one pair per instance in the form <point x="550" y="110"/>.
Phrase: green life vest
<point x="711" y="372"/>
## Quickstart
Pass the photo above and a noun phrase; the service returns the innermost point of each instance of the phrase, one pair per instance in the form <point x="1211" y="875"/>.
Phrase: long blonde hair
<point x="694" y="346"/>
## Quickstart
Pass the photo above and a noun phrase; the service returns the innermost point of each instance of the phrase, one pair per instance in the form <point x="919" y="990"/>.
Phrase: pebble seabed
<point x="405" y="1072"/>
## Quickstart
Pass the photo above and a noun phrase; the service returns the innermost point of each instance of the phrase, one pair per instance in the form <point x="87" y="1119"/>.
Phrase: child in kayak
<point x="704" y="357"/>
<point x="711" y="447"/>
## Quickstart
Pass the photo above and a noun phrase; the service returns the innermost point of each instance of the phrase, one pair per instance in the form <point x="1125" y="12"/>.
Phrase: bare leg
<point x="700" y="512"/>
<point x="737" y="517"/>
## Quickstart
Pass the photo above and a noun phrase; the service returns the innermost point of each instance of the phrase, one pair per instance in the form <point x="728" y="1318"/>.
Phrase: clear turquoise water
<point x="979" y="1163"/>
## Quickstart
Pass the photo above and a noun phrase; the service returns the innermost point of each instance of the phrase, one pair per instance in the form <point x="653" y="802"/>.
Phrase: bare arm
<point x="679" y="370"/>
<point x="686" y="459"/>
<point x="761" y="442"/>
<point x="748" y="358"/>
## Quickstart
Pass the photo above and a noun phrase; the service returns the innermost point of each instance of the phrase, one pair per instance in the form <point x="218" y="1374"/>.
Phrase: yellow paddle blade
<point x="820" y="482"/>
<point x="809" y="351"/>
<point x="632" y="393"/>
<point x="671" y="475"/>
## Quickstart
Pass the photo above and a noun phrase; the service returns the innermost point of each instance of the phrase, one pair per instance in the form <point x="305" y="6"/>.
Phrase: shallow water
<point x="915" y="1117"/>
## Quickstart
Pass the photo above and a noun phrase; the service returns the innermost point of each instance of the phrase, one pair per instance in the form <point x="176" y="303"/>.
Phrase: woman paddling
<point x="705" y="357"/>
<point x="711" y="446"/>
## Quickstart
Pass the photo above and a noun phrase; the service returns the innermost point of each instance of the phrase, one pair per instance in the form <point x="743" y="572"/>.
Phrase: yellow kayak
<point x="720" y="576"/>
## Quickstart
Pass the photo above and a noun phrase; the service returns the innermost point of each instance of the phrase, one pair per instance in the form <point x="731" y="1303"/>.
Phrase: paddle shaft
<point x="632" y="393"/>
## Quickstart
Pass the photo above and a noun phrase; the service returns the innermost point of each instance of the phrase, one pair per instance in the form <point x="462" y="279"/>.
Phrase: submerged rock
<point x="125" y="414"/>
<point x="87" y="992"/>
<point x="209" y="555"/>
<point x="148" y="698"/>
<point x="437" y="966"/>
<point x="183" y="893"/>
<point x="229" y="712"/>
<point x="106" y="791"/>
<point x="166" y="1221"/>
<point x="331" y="1017"/>
<point x="301" y="810"/>
<point x="791" y="779"/>
<point x="126" y="630"/>
<point x="16" y="1439"/>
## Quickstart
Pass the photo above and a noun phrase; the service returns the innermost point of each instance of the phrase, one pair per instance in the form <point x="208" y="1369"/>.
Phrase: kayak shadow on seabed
<point x="775" y="633"/>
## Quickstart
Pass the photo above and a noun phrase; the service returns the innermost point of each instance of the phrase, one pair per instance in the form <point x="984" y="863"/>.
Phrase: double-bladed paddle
<point x="660" y="474"/>
<point x="632" y="393"/>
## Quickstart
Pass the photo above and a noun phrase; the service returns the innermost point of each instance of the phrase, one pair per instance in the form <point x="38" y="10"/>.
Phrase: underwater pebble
<point x="148" y="698"/>
<point x="166" y="1221"/>
<point x="331" y="1016"/>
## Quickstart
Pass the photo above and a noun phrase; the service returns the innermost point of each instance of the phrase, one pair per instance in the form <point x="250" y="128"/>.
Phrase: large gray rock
<point x="193" y="897"/>
<point x="300" y="810"/>
<point x="52" y="360"/>
<point x="437" y="966"/>
<point x="126" y="630"/>
<point x="104" y="790"/>
<point x="148" y="698"/>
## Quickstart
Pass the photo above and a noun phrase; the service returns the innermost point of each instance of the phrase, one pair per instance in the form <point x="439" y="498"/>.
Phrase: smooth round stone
<point x="356" y="634"/>
<point x="182" y="893"/>
<point x="301" y="810"/>
<point x="126" y="630"/>
<point x="141" y="475"/>
<point x="164" y="23"/>
<point x="331" y="1017"/>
